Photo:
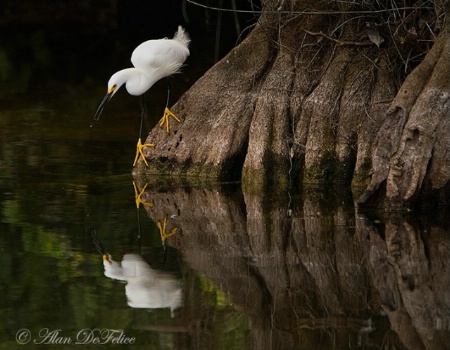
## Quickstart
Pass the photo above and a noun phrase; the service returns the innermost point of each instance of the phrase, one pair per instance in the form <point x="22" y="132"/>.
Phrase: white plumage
<point x="152" y="61"/>
<point x="146" y="287"/>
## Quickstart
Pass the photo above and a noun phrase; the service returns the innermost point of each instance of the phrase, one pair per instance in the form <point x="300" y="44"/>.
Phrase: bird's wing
<point x="156" y="54"/>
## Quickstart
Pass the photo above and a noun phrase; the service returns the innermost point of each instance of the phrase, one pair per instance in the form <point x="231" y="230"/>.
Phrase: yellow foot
<point x="165" y="118"/>
<point x="138" y="196"/>
<point x="162" y="230"/>
<point x="139" y="148"/>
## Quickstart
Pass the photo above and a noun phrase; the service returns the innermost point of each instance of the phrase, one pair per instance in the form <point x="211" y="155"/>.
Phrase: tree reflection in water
<point x="316" y="275"/>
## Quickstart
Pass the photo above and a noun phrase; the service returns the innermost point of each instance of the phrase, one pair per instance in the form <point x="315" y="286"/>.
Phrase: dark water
<point x="205" y="267"/>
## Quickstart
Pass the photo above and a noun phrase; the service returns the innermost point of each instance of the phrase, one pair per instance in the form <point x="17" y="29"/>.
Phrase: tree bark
<point x="413" y="144"/>
<point x="309" y="96"/>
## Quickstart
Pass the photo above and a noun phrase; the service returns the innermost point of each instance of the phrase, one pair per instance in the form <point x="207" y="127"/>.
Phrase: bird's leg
<point x="165" y="119"/>
<point x="162" y="230"/>
<point x="167" y="112"/>
<point x="140" y="145"/>
<point x="139" y="148"/>
<point x="138" y="196"/>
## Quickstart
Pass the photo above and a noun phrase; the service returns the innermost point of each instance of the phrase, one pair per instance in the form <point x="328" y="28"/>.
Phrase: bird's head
<point x="107" y="259"/>
<point x="114" y="83"/>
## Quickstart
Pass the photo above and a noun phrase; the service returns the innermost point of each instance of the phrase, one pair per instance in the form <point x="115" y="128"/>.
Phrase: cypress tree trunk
<point x="323" y="92"/>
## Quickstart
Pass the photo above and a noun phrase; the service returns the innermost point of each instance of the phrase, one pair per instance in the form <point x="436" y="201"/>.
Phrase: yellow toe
<point x="139" y="151"/>
<point x="138" y="196"/>
<point x="162" y="230"/>
<point x="165" y="119"/>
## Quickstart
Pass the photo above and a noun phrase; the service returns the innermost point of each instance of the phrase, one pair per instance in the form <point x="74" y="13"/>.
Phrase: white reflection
<point x="146" y="287"/>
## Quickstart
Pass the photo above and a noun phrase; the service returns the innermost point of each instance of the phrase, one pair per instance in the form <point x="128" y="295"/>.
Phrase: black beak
<point x="96" y="239"/>
<point x="103" y="104"/>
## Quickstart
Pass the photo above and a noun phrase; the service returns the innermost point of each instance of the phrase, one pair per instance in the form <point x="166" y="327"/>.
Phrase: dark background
<point x="46" y="43"/>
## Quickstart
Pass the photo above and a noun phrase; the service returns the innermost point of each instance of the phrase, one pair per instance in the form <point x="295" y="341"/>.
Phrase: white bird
<point x="146" y="288"/>
<point x="152" y="61"/>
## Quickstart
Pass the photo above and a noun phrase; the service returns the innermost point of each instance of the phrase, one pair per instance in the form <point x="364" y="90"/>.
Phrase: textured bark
<point x="413" y="144"/>
<point x="217" y="113"/>
<point x="309" y="98"/>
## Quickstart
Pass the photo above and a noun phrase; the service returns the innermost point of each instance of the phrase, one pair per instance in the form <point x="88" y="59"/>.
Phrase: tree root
<point x="284" y="107"/>
<point x="413" y="144"/>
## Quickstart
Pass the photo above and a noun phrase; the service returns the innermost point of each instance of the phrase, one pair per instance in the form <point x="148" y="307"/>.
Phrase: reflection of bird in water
<point x="146" y="287"/>
<point x="138" y="196"/>
<point x="162" y="226"/>
<point x="152" y="60"/>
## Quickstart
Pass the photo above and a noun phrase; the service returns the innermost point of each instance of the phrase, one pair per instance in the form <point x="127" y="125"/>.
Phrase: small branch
<point x="309" y="12"/>
<point x="341" y="42"/>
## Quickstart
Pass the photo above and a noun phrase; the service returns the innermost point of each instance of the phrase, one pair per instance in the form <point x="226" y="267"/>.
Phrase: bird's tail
<point x="182" y="37"/>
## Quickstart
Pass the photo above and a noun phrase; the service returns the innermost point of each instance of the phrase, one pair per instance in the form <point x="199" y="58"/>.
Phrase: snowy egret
<point x="152" y="61"/>
<point x="145" y="287"/>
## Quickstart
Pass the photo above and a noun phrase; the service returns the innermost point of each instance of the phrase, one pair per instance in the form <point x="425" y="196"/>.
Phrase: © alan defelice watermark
<point x="84" y="336"/>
